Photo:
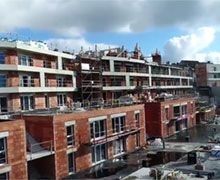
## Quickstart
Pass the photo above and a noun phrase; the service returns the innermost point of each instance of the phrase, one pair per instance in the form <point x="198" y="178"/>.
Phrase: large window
<point x="27" y="102"/>
<point x="119" y="146"/>
<point x="61" y="99"/>
<point x="137" y="119"/>
<point x="71" y="163"/>
<point x="3" y="104"/>
<point x="70" y="135"/>
<point x="4" y="176"/>
<point x="2" y="58"/>
<point x="47" y="101"/>
<point x="2" y="80"/>
<point x="176" y="111"/>
<point x="98" y="153"/>
<point x="184" y="109"/>
<point x="118" y="124"/>
<point x="3" y="151"/>
<point x="166" y="114"/>
<point x="60" y="82"/>
<point x="26" y="81"/>
<point x="25" y="60"/>
<point x="97" y="129"/>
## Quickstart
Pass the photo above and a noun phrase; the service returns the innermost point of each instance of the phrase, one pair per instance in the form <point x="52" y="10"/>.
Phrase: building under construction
<point x="74" y="112"/>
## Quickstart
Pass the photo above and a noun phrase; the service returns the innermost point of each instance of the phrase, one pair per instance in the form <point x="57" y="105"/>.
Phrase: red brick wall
<point x="16" y="147"/>
<point x="13" y="79"/>
<point x="82" y="136"/>
<point x="153" y="119"/>
<point x="11" y="57"/>
<point x="156" y="122"/>
<point x="201" y="75"/>
<point x="14" y="102"/>
<point x="40" y="127"/>
<point x="39" y="101"/>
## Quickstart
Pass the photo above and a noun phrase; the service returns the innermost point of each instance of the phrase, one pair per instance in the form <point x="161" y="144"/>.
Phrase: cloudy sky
<point x="179" y="29"/>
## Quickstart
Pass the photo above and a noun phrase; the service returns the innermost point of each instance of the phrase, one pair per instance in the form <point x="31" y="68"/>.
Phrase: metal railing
<point x="48" y="64"/>
<point x="106" y="134"/>
<point x="40" y="147"/>
<point x="58" y="83"/>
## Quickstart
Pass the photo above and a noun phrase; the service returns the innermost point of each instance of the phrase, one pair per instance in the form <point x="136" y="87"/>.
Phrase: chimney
<point x="156" y="57"/>
<point x="137" y="52"/>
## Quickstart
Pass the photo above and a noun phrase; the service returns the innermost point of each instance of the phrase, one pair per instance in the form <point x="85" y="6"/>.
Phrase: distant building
<point x="208" y="80"/>
<point x="165" y="117"/>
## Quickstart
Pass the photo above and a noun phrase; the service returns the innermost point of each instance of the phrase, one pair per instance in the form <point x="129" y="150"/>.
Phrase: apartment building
<point x="125" y="72"/>
<point x="55" y="144"/>
<point x="34" y="77"/>
<point x="167" y="116"/>
<point x="67" y="129"/>
<point x="208" y="81"/>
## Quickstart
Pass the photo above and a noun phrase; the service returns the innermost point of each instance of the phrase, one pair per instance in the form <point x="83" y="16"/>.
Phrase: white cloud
<point x="213" y="57"/>
<point x="187" y="46"/>
<point x="75" y="17"/>
<point x="75" y="44"/>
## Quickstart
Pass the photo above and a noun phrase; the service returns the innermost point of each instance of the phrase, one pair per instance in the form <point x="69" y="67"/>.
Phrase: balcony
<point x="58" y="83"/>
<point x="50" y="64"/>
<point x="113" y="134"/>
<point x="36" y="150"/>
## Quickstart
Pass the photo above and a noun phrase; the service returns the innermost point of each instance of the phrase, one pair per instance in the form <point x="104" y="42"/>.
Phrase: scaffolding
<point x="90" y="73"/>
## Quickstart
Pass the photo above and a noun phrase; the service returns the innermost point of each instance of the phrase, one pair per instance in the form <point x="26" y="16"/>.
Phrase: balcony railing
<point x="40" y="148"/>
<point x="49" y="64"/>
<point x="86" y="83"/>
<point x="112" y="134"/>
<point x="58" y="83"/>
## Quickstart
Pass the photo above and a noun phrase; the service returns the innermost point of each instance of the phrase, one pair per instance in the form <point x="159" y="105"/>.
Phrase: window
<point x="27" y="102"/>
<point x="47" y="102"/>
<point x="4" y="176"/>
<point x="98" y="153"/>
<point x="176" y="111"/>
<point x="60" y="81"/>
<point x="71" y="163"/>
<point x="118" y="124"/>
<point x="2" y="80"/>
<point x="119" y="146"/>
<point x="138" y="139"/>
<point x="184" y="109"/>
<point x="2" y="58"/>
<point x="26" y="81"/>
<point x="3" y="151"/>
<point x="61" y="99"/>
<point x="3" y="104"/>
<point x="70" y="135"/>
<point x="166" y="113"/>
<point x="137" y="119"/>
<point x="97" y="129"/>
<point x="214" y="68"/>
<point x="25" y="60"/>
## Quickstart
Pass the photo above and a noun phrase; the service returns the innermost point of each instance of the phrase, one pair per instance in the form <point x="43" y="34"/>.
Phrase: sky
<point x="179" y="29"/>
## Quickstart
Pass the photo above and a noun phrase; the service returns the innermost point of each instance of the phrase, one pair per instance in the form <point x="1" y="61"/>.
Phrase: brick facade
<point x="161" y="120"/>
<point x="16" y="148"/>
<point x="52" y="127"/>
